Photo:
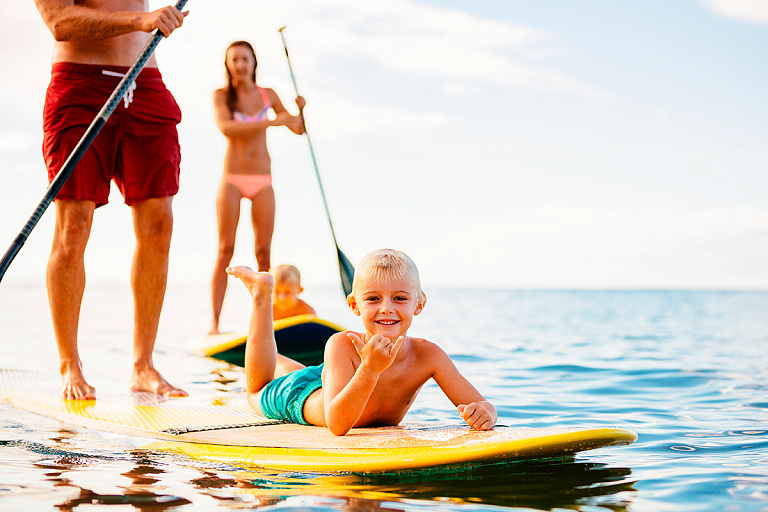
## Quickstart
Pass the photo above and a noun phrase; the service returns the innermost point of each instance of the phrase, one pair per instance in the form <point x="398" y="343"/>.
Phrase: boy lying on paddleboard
<point x="369" y="378"/>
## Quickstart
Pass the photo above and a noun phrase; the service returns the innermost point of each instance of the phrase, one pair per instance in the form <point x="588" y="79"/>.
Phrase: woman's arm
<point x="228" y="126"/>
<point x="293" y="123"/>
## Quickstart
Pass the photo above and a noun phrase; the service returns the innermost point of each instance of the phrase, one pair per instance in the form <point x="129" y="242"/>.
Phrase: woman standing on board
<point x="241" y="109"/>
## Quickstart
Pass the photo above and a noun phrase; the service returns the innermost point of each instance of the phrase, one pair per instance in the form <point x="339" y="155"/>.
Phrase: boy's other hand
<point x="377" y="353"/>
<point x="476" y="416"/>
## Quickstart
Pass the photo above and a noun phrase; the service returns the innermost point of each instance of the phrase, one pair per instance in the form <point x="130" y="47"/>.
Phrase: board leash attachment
<point x="175" y="431"/>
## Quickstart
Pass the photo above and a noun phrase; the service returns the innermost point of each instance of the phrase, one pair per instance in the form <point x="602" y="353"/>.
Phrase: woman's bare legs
<point x="227" y="216"/>
<point x="262" y="362"/>
<point x="263" y="220"/>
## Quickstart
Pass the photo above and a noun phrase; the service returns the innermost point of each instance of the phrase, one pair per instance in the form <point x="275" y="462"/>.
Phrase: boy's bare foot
<point x="76" y="388"/>
<point x="259" y="284"/>
<point x="150" y="380"/>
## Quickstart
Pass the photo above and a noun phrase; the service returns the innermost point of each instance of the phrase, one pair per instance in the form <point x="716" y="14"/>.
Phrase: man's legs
<point x="65" y="278"/>
<point x="153" y="225"/>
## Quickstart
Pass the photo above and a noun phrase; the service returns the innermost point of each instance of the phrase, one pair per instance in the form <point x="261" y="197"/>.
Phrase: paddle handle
<point x="82" y="146"/>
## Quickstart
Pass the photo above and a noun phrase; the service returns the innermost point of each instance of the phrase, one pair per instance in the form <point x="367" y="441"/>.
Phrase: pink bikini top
<point x="249" y="118"/>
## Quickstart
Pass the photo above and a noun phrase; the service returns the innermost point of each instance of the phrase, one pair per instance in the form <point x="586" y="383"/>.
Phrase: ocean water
<point x="686" y="370"/>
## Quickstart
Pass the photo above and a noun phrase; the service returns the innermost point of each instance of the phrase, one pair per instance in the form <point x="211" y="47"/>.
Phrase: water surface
<point x="685" y="370"/>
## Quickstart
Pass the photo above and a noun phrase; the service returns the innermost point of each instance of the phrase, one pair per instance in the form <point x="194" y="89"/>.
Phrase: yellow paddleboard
<point x="227" y="430"/>
<point x="300" y="337"/>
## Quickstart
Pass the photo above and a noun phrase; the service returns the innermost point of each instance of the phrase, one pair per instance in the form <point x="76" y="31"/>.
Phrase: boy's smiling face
<point x="386" y="306"/>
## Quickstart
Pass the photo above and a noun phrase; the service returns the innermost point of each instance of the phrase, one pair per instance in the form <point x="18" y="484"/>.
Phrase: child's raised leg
<point x="262" y="362"/>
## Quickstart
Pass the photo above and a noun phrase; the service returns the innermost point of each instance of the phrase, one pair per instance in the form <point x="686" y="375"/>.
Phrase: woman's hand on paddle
<point x="378" y="353"/>
<point x="293" y="123"/>
<point x="477" y="416"/>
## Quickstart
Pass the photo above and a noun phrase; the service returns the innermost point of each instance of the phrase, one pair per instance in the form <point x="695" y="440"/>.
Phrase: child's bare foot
<point x="150" y="380"/>
<point x="76" y="388"/>
<point x="259" y="284"/>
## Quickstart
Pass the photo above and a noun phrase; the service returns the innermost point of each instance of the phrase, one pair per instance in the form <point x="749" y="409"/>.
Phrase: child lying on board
<point x="368" y="378"/>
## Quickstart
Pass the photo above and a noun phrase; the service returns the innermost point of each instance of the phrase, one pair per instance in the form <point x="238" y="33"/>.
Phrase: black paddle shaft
<point x="82" y="146"/>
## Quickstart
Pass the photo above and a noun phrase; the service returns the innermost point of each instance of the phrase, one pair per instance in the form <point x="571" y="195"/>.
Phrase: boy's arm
<point x="478" y="412"/>
<point x="346" y="390"/>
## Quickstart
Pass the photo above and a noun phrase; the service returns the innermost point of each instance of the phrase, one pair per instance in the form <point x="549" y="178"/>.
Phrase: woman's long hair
<point x="231" y="92"/>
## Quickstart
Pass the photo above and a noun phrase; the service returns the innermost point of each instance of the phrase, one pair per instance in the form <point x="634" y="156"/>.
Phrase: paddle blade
<point x="347" y="272"/>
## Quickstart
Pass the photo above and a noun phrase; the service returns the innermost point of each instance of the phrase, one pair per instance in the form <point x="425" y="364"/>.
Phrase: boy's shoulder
<point x="426" y="346"/>
<point x="305" y="307"/>
<point x="421" y="346"/>
<point x="341" y="337"/>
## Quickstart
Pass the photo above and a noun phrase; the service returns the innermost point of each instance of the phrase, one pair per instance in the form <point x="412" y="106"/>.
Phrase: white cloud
<point x="398" y="35"/>
<point x="752" y="11"/>
<point x="596" y="248"/>
<point x="426" y="40"/>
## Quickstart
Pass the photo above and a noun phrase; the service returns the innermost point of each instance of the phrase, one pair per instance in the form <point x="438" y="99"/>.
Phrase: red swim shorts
<point x="138" y="146"/>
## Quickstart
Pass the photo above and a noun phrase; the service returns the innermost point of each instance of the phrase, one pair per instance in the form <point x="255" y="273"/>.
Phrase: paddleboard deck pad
<point x="224" y="429"/>
<point x="300" y="337"/>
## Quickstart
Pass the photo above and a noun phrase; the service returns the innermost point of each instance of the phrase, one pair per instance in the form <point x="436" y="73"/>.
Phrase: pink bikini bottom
<point x="249" y="184"/>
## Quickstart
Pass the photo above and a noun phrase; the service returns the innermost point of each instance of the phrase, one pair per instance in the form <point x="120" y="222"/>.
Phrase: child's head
<point x="287" y="286"/>
<point x="382" y="270"/>
<point x="388" y="264"/>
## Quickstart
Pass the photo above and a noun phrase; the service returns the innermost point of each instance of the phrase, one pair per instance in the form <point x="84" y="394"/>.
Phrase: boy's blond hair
<point x="390" y="263"/>
<point x="286" y="272"/>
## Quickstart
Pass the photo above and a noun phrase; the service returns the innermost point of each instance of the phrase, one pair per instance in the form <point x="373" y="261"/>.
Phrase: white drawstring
<point x="128" y="96"/>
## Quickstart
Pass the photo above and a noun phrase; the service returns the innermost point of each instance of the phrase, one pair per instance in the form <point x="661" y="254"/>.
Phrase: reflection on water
<point x="139" y="492"/>
<point x="139" y="501"/>
<point x="540" y="484"/>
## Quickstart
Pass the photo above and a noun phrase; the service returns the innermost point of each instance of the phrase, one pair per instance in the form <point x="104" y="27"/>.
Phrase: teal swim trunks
<point x="284" y="397"/>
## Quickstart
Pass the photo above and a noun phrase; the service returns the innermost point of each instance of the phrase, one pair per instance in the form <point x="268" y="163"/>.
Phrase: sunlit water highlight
<point x="685" y="370"/>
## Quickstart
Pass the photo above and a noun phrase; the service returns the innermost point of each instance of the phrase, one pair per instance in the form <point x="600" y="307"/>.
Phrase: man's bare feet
<point x="259" y="284"/>
<point x="151" y="381"/>
<point x="76" y="388"/>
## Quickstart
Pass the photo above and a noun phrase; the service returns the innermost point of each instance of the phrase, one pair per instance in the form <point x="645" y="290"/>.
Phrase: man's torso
<point x="117" y="51"/>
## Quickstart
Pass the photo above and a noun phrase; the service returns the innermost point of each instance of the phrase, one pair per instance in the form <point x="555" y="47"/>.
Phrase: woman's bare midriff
<point x="247" y="155"/>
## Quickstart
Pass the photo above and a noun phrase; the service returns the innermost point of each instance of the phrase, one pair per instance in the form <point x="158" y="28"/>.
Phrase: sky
<point x="500" y="143"/>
